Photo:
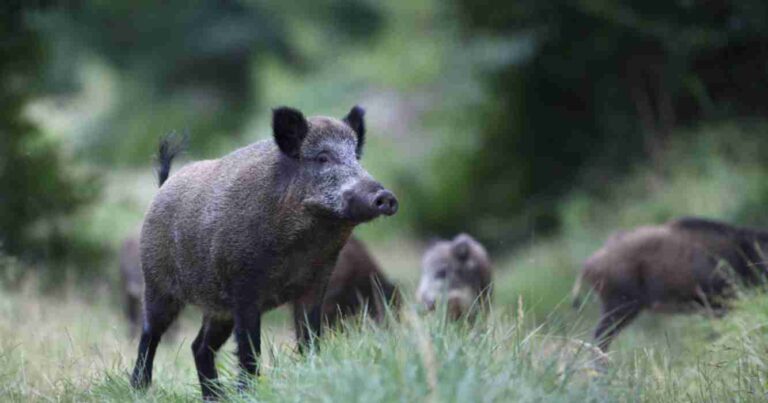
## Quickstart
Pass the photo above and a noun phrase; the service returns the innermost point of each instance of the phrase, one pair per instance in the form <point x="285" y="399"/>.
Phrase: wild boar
<point x="689" y="262"/>
<point x="458" y="273"/>
<point x="356" y="283"/>
<point x="132" y="282"/>
<point x="257" y="228"/>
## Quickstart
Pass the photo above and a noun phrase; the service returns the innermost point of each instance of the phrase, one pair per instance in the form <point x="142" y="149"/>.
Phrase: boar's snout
<point x="386" y="202"/>
<point x="368" y="200"/>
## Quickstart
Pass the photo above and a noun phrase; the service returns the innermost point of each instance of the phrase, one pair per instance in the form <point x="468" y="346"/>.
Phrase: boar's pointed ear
<point x="461" y="247"/>
<point x="355" y="120"/>
<point x="289" y="128"/>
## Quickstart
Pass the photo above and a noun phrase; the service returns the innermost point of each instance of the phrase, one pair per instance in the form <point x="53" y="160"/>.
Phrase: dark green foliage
<point x="185" y="65"/>
<point x="603" y="88"/>
<point x="36" y="192"/>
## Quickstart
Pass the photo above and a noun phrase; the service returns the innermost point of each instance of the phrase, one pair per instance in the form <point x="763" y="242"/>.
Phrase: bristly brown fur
<point x="683" y="263"/>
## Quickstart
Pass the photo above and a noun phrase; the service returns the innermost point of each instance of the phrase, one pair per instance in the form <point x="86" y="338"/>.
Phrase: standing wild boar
<point x="684" y="263"/>
<point x="356" y="283"/>
<point x="457" y="272"/>
<point x="243" y="234"/>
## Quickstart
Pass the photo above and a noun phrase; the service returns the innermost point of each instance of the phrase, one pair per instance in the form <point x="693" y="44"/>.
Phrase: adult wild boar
<point x="357" y="283"/>
<point x="243" y="234"/>
<point x="458" y="273"/>
<point x="689" y="262"/>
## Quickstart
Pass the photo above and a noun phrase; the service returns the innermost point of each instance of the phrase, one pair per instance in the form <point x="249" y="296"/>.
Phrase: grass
<point x="73" y="345"/>
<point x="70" y="347"/>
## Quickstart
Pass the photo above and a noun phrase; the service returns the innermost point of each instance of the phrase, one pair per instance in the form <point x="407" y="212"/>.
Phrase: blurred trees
<point x="36" y="190"/>
<point x="602" y="88"/>
<point x="185" y="65"/>
<point x="172" y="65"/>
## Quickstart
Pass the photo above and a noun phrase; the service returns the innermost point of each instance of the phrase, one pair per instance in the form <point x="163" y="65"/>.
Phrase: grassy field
<point x="72" y="344"/>
<point x="73" y="348"/>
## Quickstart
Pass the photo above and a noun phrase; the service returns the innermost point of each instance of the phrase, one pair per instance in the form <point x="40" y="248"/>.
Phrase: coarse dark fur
<point x="243" y="234"/>
<point x="357" y="283"/>
<point x="685" y="263"/>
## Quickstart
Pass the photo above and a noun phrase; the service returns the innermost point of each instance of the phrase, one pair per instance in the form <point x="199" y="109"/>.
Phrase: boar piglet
<point x="457" y="273"/>
<point x="245" y="233"/>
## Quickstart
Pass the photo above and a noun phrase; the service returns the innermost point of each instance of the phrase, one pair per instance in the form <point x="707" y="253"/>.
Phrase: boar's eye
<point x="323" y="158"/>
<point x="441" y="273"/>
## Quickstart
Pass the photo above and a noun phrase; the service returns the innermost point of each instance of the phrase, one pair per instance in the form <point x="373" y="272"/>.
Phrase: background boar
<point x="690" y="262"/>
<point x="457" y="272"/>
<point x="132" y="282"/>
<point x="356" y="283"/>
<point x="245" y="233"/>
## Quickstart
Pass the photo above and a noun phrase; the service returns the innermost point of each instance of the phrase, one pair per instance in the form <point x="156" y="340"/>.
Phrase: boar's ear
<point x="355" y="120"/>
<point x="461" y="247"/>
<point x="289" y="128"/>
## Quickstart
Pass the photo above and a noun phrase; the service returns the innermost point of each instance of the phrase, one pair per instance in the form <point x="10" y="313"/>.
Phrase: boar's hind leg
<point x="614" y="316"/>
<point x="160" y="311"/>
<point x="213" y="334"/>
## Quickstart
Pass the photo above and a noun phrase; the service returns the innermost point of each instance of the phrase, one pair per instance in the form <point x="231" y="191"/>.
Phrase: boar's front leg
<point x="248" y="337"/>
<point x="616" y="314"/>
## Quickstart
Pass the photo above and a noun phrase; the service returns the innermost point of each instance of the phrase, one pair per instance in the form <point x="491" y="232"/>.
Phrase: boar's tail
<point x="171" y="145"/>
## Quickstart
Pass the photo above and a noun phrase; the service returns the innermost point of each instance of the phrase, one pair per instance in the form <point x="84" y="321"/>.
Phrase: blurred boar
<point x="457" y="272"/>
<point x="132" y="281"/>
<point x="356" y="283"/>
<point x="243" y="234"/>
<point x="689" y="262"/>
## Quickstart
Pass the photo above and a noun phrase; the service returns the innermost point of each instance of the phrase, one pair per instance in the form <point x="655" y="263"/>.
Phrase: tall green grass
<point x="66" y="349"/>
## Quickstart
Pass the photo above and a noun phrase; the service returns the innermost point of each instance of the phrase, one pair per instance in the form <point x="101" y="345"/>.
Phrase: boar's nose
<point x="385" y="202"/>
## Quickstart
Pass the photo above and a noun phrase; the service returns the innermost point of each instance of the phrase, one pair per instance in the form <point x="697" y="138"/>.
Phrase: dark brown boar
<point x="243" y="234"/>
<point x="689" y="262"/>
<point x="357" y="283"/>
